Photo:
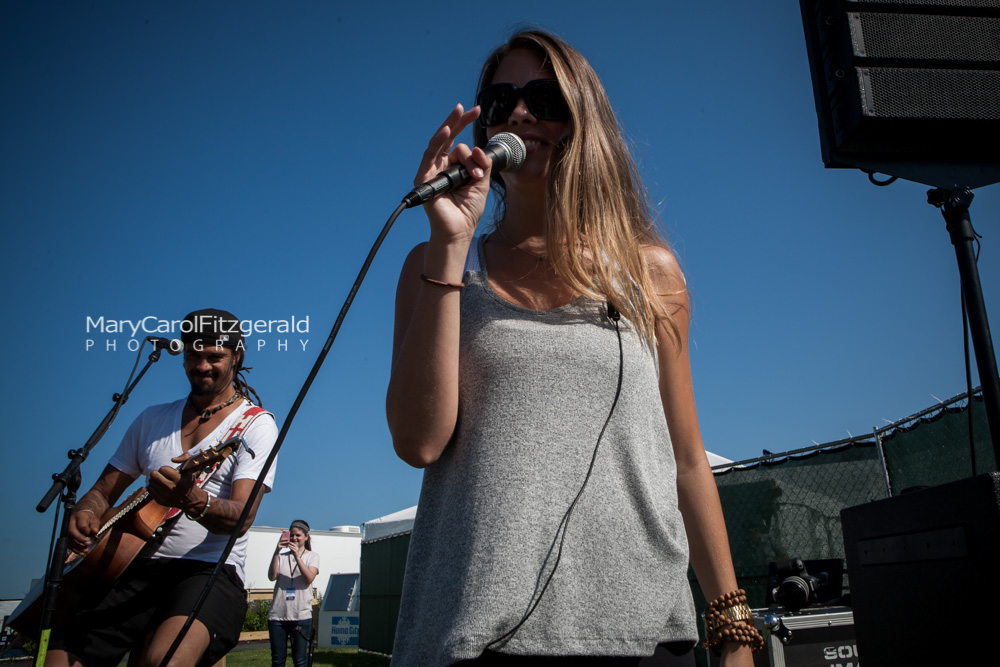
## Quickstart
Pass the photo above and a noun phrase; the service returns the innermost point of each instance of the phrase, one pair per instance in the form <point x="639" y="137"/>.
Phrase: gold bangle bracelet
<point x="726" y="615"/>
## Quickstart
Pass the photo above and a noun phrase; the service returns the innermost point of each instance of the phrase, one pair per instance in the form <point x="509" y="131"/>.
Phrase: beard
<point x="209" y="387"/>
<point x="213" y="383"/>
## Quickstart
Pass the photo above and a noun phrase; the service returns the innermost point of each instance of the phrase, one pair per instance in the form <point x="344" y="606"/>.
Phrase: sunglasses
<point x="542" y="96"/>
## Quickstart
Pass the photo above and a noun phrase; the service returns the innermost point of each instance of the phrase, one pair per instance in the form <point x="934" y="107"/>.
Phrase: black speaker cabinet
<point x="924" y="572"/>
<point x="908" y="82"/>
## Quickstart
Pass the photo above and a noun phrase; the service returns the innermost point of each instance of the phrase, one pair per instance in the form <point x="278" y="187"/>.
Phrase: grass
<point x="261" y="657"/>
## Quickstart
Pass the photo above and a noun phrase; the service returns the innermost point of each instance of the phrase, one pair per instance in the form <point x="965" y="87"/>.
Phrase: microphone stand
<point x="258" y="485"/>
<point x="68" y="483"/>
<point x="504" y="141"/>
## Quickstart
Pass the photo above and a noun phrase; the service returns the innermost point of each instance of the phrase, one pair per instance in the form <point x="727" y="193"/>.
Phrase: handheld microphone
<point x="505" y="149"/>
<point x="171" y="345"/>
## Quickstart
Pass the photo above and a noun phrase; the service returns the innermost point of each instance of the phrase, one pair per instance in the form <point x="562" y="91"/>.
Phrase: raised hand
<point x="455" y="214"/>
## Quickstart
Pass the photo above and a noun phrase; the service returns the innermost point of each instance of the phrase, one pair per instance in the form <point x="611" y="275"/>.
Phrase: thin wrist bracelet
<point x="208" y="503"/>
<point x="442" y="283"/>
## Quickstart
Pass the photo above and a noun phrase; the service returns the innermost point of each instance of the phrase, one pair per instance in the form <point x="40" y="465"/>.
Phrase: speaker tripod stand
<point x="954" y="205"/>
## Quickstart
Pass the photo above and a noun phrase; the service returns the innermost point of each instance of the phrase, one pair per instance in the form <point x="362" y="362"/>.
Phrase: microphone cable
<point x="563" y="526"/>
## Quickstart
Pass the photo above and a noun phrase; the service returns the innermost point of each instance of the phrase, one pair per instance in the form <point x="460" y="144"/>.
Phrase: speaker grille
<point x="925" y="37"/>
<point x="912" y="85"/>
<point x="932" y="3"/>
<point x="890" y="92"/>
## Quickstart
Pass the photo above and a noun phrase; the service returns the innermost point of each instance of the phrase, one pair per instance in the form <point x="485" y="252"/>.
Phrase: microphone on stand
<point x="171" y="345"/>
<point x="505" y="149"/>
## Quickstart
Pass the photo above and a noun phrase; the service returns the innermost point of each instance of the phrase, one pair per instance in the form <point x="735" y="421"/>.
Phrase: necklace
<point x="208" y="412"/>
<point x="540" y="258"/>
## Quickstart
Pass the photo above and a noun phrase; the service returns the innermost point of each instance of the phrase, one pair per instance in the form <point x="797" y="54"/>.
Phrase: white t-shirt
<point x="292" y="593"/>
<point x="154" y="438"/>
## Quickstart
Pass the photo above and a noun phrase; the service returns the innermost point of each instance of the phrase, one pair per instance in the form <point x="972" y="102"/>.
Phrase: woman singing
<point x="540" y="376"/>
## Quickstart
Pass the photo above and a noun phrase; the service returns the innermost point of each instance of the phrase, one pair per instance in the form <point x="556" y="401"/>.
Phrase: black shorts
<point x="150" y="591"/>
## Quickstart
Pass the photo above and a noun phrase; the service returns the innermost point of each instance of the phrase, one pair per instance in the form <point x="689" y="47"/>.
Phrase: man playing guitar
<point x="157" y="591"/>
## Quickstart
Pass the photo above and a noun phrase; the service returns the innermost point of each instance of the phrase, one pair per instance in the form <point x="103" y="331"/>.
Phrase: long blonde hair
<point x="599" y="213"/>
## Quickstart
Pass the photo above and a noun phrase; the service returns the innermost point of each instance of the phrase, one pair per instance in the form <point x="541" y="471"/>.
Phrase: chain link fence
<point x="788" y="505"/>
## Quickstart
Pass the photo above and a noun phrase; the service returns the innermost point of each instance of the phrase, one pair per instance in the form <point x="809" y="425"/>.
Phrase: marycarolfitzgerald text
<point x="111" y="334"/>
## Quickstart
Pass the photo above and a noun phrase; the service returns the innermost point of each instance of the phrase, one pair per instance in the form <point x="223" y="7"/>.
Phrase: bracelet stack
<point x="728" y="619"/>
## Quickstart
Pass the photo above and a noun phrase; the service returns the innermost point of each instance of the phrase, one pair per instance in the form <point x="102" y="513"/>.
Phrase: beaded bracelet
<point x="728" y="618"/>
<point x="441" y="282"/>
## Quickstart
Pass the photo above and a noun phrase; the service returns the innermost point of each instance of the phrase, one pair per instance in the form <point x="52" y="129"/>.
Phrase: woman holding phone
<point x="293" y="568"/>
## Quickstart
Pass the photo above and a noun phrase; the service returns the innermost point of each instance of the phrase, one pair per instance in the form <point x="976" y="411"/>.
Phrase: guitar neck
<point x="207" y="457"/>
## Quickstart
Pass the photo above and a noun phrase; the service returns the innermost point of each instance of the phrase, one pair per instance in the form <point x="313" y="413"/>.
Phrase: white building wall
<point x="339" y="552"/>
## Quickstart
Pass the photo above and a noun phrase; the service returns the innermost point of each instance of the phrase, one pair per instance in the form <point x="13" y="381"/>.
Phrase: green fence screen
<point x="788" y="505"/>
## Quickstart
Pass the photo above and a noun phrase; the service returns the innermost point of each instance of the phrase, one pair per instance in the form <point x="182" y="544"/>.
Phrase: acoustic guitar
<point x="125" y="531"/>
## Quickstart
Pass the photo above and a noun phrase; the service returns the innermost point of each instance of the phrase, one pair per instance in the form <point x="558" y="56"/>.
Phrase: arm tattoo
<point x="223" y="515"/>
<point x="94" y="502"/>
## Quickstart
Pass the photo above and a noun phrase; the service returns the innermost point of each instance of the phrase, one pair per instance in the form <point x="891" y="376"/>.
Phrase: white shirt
<point x="155" y="437"/>
<point x="292" y="593"/>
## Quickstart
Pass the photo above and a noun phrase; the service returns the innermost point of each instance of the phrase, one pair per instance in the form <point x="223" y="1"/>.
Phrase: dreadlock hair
<point x="239" y="381"/>
<point x="598" y="211"/>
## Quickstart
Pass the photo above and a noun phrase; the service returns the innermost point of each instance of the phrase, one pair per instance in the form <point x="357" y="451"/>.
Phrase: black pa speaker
<point x="909" y="88"/>
<point x="924" y="572"/>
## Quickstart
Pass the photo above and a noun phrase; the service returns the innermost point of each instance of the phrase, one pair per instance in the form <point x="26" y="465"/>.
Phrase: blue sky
<point x="158" y="157"/>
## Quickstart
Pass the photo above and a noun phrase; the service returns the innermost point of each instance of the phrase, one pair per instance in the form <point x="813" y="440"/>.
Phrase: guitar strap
<point x="238" y="428"/>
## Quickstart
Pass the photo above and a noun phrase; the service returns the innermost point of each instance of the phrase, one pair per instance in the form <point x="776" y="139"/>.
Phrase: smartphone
<point x="284" y="537"/>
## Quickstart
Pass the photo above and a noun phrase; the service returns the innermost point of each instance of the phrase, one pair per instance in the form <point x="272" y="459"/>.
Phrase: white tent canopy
<point x="716" y="460"/>
<point x="397" y="523"/>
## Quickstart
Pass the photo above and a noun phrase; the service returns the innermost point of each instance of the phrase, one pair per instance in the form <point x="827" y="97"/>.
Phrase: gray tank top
<point x="535" y="388"/>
